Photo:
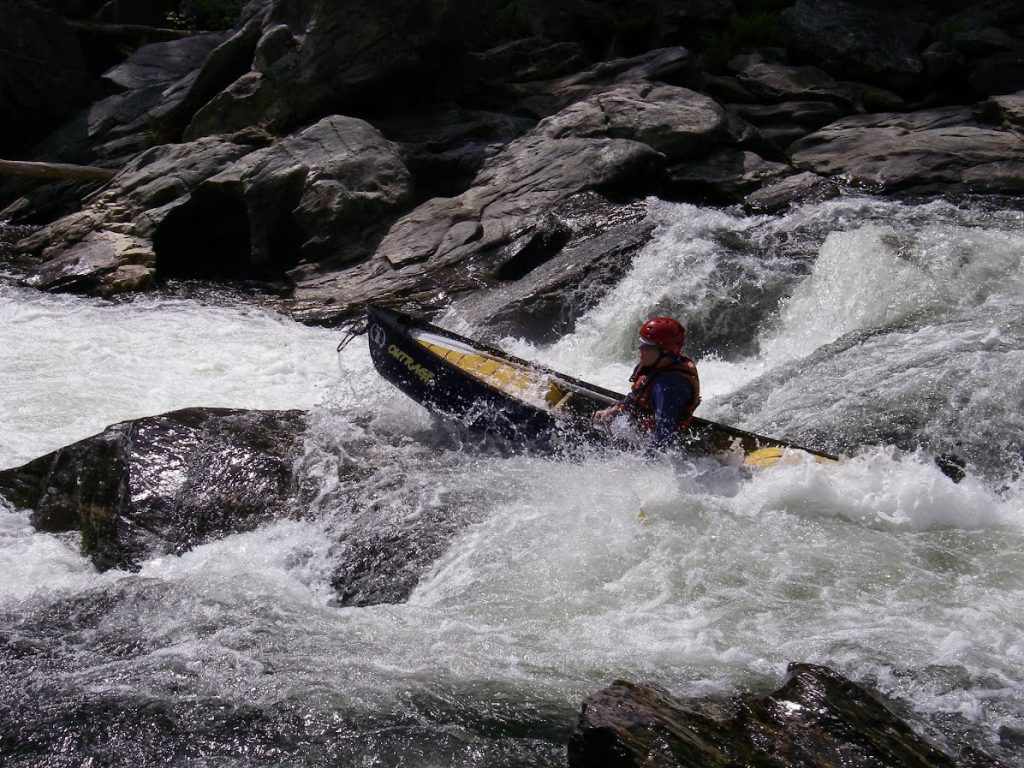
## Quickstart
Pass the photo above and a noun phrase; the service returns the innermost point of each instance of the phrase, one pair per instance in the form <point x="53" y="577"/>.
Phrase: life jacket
<point x="638" y="402"/>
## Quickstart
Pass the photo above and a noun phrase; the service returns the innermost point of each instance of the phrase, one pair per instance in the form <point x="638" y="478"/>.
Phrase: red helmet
<point x="665" y="333"/>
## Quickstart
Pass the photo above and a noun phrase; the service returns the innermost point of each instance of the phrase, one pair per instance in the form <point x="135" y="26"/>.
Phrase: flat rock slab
<point x="893" y="151"/>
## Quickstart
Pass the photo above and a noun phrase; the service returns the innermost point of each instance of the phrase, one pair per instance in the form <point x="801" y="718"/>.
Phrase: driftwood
<point x="56" y="170"/>
<point x="129" y="31"/>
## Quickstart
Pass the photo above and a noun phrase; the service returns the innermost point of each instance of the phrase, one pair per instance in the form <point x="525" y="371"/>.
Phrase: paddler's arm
<point x="605" y="415"/>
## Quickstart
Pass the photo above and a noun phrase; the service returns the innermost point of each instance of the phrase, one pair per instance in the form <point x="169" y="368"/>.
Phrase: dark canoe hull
<point x="443" y="387"/>
<point x="411" y="354"/>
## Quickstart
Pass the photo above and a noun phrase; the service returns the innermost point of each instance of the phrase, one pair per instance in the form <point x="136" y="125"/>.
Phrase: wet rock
<point x="615" y="143"/>
<point x="164" y="484"/>
<point x="543" y="304"/>
<point x="800" y="187"/>
<point x="817" y="718"/>
<point x="78" y="252"/>
<point x="725" y="175"/>
<point x="103" y="263"/>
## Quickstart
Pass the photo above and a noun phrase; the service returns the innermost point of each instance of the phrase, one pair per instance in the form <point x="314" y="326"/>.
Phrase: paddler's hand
<point x="605" y="414"/>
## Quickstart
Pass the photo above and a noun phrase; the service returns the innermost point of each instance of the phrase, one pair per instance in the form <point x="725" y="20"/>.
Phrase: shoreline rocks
<point x="816" y="719"/>
<point x="423" y="164"/>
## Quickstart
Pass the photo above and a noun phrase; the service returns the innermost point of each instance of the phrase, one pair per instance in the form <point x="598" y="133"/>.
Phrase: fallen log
<point x="56" y="170"/>
<point x="130" y="31"/>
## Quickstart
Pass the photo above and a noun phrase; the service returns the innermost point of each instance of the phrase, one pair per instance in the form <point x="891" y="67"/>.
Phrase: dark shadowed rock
<point x="724" y="175"/>
<point x="444" y="150"/>
<point x="818" y="719"/>
<point x="80" y="252"/>
<point x="43" y="76"/>
<point x="671" y="66"/>
<point x="997" y="74"/>
<point x="147" y="81"/>
<point x="854" y="42"/>
<point x="312" y="59"/>
<point x="164" y="484"/>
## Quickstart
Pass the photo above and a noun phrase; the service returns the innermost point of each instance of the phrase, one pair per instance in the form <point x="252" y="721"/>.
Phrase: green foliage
<point x="748" y="29"/>
<point x="205" y="14"/>
<point x="515" y="20"/>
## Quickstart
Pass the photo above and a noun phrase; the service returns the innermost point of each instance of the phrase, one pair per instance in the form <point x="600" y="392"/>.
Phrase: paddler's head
<point x="660" y="339"/>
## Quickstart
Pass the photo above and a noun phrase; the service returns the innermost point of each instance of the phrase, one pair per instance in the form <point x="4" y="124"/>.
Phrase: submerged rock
<point x="817" y="718"/>
<point x="164" y="484"/>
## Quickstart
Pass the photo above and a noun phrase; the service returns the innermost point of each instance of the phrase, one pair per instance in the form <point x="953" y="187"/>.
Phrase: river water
<point x="887" y="332"/>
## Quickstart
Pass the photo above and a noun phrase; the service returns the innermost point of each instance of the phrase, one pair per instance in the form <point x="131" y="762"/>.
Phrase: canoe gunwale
<point x="713" y="436"/>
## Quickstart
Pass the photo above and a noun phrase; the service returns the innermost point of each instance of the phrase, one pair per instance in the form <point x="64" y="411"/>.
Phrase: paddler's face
<point x="648" y="355"/>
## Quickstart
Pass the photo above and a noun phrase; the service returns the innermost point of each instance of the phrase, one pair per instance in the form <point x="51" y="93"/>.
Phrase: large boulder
<point x="886" y="152"/>
<point x="541" y="302"/>
<point x="818" y="719"/>
<point x="81" y="252"/>
<point x="164" y="484"/>
<point x="230" y="208"/>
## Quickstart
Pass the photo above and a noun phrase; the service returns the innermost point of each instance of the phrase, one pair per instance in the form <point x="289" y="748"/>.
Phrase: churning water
<point x="890" y="333"/>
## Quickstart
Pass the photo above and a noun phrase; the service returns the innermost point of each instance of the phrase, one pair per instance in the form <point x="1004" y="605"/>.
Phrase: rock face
<point x="817" y="719"/>
<point x="164" y="484"/>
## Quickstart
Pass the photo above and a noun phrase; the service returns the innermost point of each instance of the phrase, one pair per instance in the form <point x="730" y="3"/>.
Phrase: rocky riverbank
<point x="421" y="150"/>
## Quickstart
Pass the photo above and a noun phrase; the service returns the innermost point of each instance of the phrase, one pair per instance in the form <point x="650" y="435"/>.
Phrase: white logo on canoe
<point x="414" y="368"/>
<point x="377" y="335"/>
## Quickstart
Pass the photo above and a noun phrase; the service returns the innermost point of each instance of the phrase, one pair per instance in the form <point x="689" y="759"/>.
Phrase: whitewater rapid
<point x="887" y="332"/>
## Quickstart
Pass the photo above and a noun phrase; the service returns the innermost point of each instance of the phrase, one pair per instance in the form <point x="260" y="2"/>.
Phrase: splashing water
<point x="891" y="331"/>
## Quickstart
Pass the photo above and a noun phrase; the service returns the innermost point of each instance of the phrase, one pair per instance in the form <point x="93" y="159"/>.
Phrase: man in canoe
<point x="665" y="386"/>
